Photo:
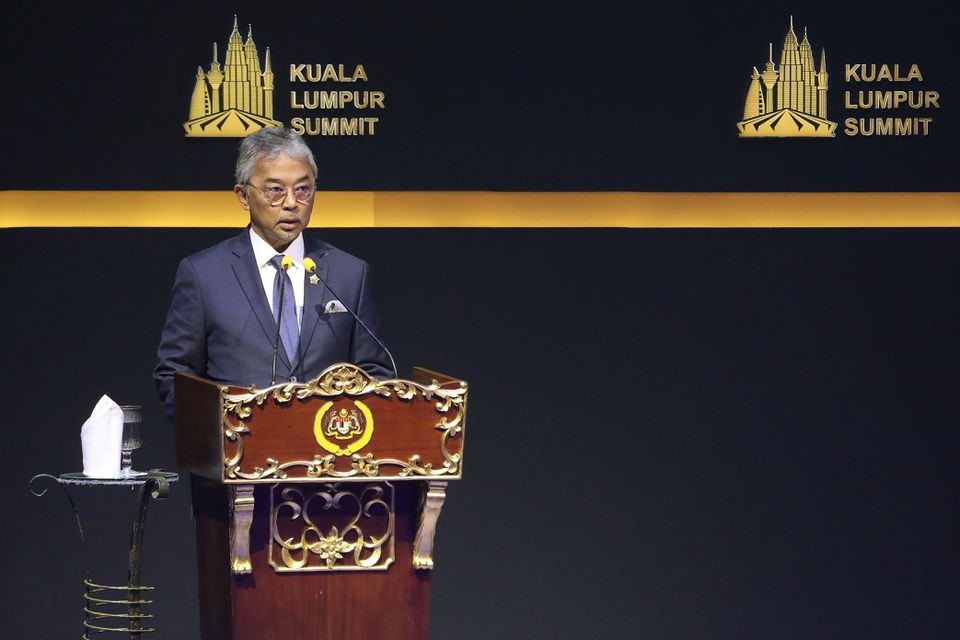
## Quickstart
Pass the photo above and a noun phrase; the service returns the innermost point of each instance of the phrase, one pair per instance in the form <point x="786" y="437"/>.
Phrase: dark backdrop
<point x="504" y="96"/>
<point x="672" y="434"/>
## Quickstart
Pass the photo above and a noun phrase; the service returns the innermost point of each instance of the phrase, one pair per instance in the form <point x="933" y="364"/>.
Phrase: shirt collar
<point x="263" y="252"/>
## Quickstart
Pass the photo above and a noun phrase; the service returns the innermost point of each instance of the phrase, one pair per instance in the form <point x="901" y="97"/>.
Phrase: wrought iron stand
<point x="107" y="607"/>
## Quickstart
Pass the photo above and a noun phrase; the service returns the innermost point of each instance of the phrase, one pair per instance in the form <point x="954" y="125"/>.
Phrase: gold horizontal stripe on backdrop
<point x="490" y="209"/>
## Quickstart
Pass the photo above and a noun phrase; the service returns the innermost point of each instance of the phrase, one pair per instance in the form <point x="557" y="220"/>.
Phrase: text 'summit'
<point x="341" y="100"/>
<point x="910" y="105"/>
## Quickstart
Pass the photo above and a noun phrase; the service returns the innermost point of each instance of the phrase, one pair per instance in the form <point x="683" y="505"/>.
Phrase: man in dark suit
<point x="225" y="306"/>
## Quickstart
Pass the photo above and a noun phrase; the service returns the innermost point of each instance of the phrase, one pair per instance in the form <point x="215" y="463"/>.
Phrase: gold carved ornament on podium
<point x="359" y="534"/>
<point x="350" y="381"/>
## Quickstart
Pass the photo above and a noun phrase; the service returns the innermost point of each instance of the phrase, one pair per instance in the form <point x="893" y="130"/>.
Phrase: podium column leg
<point x="433" y="497"/>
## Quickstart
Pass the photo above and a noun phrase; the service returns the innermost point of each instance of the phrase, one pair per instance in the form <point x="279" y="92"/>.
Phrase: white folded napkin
<point x="100" y="438"/>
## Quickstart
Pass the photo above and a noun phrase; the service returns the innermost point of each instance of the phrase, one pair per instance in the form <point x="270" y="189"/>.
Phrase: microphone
<point x="311" y="268"/>
<point x="285" y="264"/>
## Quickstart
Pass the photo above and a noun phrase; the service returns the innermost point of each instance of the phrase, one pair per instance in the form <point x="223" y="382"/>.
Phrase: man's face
<point x="278" y="224"/>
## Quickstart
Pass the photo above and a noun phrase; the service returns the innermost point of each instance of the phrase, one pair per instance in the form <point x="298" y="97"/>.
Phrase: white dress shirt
<point x="264" y="253"/>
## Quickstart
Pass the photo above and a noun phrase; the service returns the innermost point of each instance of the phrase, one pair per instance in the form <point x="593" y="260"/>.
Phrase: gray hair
<point x="268" y="144"/>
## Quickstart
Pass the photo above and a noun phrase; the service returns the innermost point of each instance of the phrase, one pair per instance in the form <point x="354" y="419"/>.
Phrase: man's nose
<point x="289" y="200"/>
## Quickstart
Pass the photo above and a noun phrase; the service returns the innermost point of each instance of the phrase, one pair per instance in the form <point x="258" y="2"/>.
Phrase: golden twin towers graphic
<point x="791" y="102"/>
<point x="236" y="101"/>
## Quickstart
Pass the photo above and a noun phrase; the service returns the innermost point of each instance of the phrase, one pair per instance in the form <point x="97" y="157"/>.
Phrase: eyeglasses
<point x="275" y="194"/>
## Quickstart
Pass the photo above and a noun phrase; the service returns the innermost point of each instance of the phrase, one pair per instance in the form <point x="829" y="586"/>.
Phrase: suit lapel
<point x="313" y="294"/>
<point x="248" y="275"/>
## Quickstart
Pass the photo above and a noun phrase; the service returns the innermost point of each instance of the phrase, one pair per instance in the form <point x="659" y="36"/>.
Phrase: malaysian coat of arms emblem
<point x="345" y="430"/>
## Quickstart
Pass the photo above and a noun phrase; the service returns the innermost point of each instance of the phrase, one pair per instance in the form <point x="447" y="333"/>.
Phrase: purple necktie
<point x="287" y="317"/>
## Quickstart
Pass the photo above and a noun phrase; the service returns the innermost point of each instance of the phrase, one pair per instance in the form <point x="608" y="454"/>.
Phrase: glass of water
<point x="132" y="439"/>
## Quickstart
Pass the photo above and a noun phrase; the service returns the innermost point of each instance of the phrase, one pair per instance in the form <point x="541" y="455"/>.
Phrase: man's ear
<point x="241" y="192"/>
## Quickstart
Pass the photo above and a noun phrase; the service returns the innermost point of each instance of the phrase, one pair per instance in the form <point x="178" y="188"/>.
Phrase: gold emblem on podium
<point x="792" y="101"/>
<point x="343" y="430"/>
<point x="236" y="101"/>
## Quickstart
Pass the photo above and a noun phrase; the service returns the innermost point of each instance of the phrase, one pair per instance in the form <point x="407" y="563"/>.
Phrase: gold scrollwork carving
<point x="338" y="380"/>
<point x="241" y="518"/>
<point x="364" y="540"/>
<point x="434" y="494"/>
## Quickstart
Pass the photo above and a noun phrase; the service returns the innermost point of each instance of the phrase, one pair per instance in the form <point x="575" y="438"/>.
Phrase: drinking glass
<point x="132" y="439"/>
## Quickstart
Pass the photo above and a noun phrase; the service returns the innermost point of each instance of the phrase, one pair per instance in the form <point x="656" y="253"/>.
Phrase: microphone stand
<point x="312" y="269"/>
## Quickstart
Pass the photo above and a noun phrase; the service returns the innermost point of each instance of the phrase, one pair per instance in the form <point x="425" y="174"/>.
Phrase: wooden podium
<point x="316" y="503"/>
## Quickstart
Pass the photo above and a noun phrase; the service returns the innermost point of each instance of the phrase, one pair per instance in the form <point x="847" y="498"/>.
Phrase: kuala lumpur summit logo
<point x="789" y="102"/>
<point x="237" y="100"/>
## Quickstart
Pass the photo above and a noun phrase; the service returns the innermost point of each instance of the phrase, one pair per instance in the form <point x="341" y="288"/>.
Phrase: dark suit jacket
<point x="219" y="325"/>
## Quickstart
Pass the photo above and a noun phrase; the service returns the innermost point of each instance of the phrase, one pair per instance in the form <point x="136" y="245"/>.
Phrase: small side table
<point x="107" y="607"/>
